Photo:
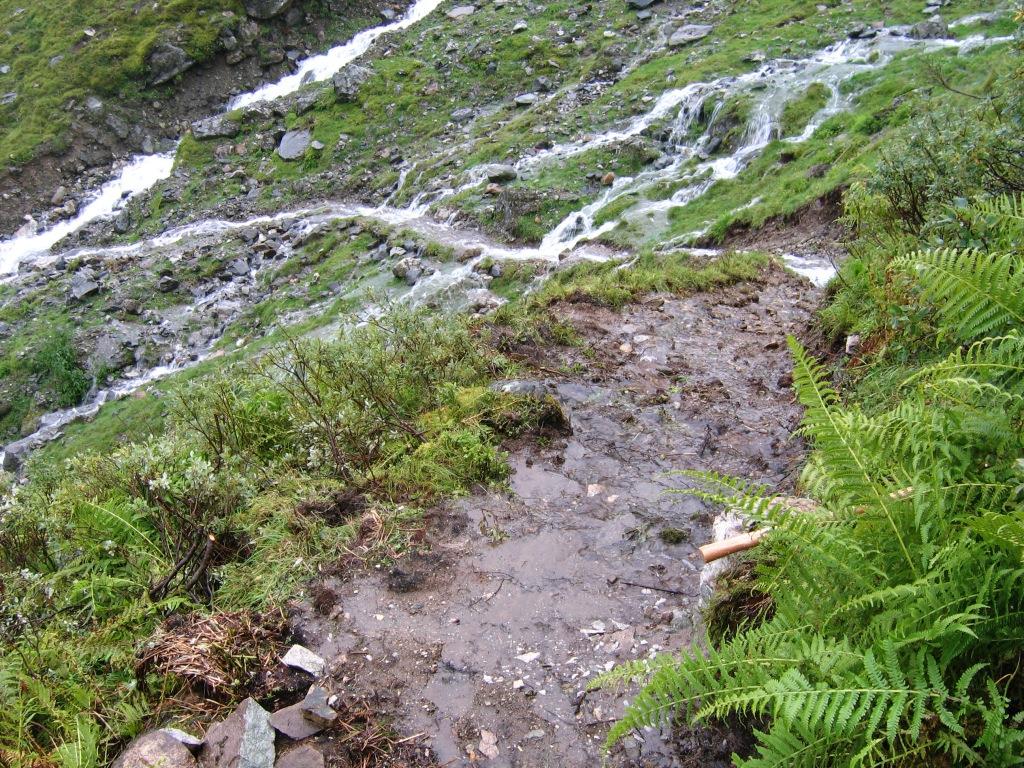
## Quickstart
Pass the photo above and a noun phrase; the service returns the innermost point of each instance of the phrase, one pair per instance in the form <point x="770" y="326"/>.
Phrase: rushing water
<point x="686" y="163"/>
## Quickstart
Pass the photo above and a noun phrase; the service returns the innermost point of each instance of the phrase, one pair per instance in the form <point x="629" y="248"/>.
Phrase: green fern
<point x="975" y="293"/>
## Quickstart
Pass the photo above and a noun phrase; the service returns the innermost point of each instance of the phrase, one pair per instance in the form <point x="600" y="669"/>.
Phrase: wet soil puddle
<point x="587" y="560"/>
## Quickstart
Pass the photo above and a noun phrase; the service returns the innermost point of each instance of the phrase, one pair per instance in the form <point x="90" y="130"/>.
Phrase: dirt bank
<point x="520" y="597"/>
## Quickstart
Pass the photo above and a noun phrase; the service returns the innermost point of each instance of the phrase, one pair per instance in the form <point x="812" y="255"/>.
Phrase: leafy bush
<point x="317" y="451"/>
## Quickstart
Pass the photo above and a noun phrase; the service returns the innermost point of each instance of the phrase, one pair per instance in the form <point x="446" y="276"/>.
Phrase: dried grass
<point x="217" y="655"/>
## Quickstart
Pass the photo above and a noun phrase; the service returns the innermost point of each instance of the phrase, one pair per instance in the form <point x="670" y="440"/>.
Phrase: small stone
<point x="8" y="98"/>
<point x="166" y="284"/>
<point x="526" y="99"/>
<point x="520" y="26"/>
<point x="852" y="343"/>
<point x="488" y="746"/>
<point x="302" y="658"/>
<point x="292" y="722"/>
<point x="493" y="189"/>
<point x="932" y="29"/>
<point x="316" y="707"/>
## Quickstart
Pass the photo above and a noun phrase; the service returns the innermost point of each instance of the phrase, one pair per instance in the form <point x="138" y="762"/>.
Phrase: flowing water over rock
<point x="686" y="162"/>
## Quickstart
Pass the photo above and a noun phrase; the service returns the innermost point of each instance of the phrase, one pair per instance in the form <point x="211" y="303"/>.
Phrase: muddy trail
<point x="483" y="642"/>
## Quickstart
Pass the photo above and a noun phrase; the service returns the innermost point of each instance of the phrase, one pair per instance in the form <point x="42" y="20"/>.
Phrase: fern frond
<point x="976" y="293"/>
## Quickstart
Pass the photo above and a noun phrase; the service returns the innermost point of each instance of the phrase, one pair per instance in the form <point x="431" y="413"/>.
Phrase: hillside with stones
<point x="381" y="333"/>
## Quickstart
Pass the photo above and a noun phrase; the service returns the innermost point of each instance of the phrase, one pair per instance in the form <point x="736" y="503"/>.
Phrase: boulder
<point x="155" y="748"/>
<point x="166" y="61"/>
<point x="294" y="144"/>
<point x="932" y="29"/>
<point x="244" y="740"/>
<point x="305" y="756"/>
<point x="348" y="81"/>
<point x="265" y="9"/>
<point x="526" y="99"/>
<point x="461" y="11"/>
<point x="215" y="127"/>
<point x="640" y="4"/>
<point x="499" y="173"/>
<point x="166" y="284"/>
<point x="689" y="33"/>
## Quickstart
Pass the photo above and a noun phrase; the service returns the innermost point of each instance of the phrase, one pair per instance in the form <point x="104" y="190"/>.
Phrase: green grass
<point x="798" y="112"/>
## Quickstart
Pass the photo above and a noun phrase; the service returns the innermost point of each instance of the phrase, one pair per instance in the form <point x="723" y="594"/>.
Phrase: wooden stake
<point x="719" y="549"/>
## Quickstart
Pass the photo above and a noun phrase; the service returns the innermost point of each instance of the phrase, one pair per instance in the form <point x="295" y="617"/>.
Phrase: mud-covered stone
<point x="306" y="756"/>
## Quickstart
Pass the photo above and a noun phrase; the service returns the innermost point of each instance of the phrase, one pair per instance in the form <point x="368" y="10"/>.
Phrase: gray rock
<point x="239" y="267"/>
<point x="166" y="284"/>
<point x="244" y="740"/>
<point x="166" y="61"/>
<point x="306" y="100"/>
<point x="215" y="127"/>
<point x="640" y="4"/>
<point x="265" y="9"/>
<point x="463" y="115"/>
<point x="305" y="756"/>
<point x="292" y="723"/>
<point x="155" y="748"/>
<point x="10" y="459"/>
<point x="60" y="194"/>
<point x="689" y="33"/>
<point x="932" y="29"/>
<point x="83" y="285"/>
<point x="526" y="99"/>
<point x="118" y="126"/>
<point x="349" y="80"/>
<point x="316" y="709"/>
<point x="8" y="98"/>
<point x="862" y="31"/>
<point x="461" y="11"/>
<point x="123" y="221"/>
<point x="191" y="742"/>
<point x="5" y="69"/>
<point x="410" y="265"/>
<point x="93" y="104"/>
<point x="499" y="173"/>
<point x="294" y="144"/>
<point x="300" y="657"/>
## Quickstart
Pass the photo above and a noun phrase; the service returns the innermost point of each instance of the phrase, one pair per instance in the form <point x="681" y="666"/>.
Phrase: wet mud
<point x="482" y="645"/>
